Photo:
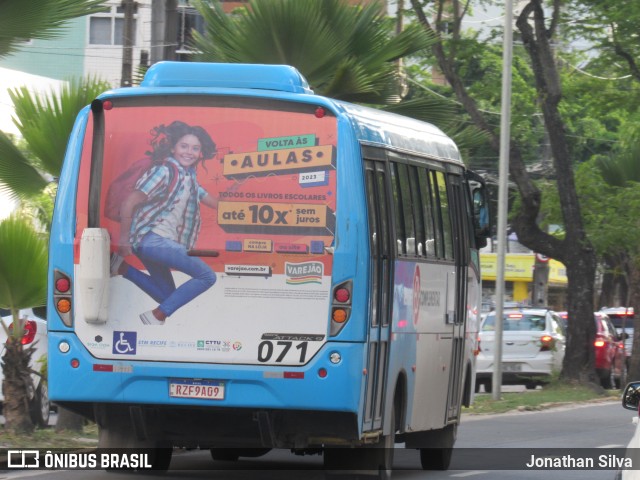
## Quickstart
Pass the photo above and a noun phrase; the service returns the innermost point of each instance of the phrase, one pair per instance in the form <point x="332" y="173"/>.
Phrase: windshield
<point x="621" y="321"/>
<point x="516" y="322"/>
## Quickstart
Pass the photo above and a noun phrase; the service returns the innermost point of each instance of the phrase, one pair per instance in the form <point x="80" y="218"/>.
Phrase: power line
<point x="579" y="70"/>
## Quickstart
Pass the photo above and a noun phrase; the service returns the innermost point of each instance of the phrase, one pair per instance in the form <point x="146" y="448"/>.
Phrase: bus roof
<point x="226" y="75"/>
<point x="370" y="125"/>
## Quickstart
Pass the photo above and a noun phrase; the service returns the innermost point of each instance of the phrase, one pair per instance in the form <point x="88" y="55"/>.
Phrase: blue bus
<point x="238" y="264"/>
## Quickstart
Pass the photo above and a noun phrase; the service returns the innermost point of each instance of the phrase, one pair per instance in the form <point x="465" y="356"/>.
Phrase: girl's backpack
<point x="125" y="183"/>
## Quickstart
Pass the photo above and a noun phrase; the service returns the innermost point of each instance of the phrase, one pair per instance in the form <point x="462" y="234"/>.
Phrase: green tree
<point x="23" y="283"/>
<point x="42" y="19"/>
<point x="621" y="173"/>
<point x="610" y="28"/>
<point x="346" y="52"/>
<point x="537" y="27"/>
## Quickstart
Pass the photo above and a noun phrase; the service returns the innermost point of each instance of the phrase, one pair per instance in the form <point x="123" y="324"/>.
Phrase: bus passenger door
<point x="380" y="285"/>
<point x="459" y="224"/>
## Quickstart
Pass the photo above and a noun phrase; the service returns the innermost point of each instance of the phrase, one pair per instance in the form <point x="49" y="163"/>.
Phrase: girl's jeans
<point x="160" y="255"/>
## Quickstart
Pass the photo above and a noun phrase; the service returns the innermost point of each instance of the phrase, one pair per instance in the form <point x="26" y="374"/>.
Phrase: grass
<point x="49" y="438"/>
<point x="552" y="395"/>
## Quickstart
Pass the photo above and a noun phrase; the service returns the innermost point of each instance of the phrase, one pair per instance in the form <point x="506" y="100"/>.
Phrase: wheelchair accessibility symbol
<point x="124" y="343"/>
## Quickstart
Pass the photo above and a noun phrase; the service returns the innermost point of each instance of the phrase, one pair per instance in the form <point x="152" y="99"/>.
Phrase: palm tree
<point x="23" y="283"/>
<point x="20" y="174"/>
<point x="45" y="125"/>
<point x="345" y="52"/>
<point x="42" y="19"/>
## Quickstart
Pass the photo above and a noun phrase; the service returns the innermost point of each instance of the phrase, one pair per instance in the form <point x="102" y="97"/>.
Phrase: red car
<point x="622" y="319"/>
<point x="611" y="366"/>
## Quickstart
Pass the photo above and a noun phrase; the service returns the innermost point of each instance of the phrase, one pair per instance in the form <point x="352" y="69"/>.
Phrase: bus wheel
<point x="363" y="461"/>
<point x="439" y="458"/>
<point x="160" y="458"/>
<point x="488" y="386"/>
<point x="224" y="454"/>
<point x="385" y="450"/>
<point x="233" y="454"/>
<point x="115" y="430"/>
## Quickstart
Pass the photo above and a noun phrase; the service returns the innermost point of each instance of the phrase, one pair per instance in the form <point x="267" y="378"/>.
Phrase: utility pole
<point x="127" y="42"/>
<point x="171" y="30"/>
<point x="164" y="30"/>
<point x="540" y="289"/>
<point x="503" y="188"/>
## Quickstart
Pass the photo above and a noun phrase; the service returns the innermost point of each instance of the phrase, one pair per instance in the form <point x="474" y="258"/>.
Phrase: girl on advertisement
<point x="160" y="221"/>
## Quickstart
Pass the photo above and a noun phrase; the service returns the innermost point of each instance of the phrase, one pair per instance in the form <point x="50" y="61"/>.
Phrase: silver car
<point x="35" y="333"/>
<point x="533" y="345"/>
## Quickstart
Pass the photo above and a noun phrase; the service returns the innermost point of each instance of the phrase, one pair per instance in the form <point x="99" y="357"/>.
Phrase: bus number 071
<point x="266" y="350"/>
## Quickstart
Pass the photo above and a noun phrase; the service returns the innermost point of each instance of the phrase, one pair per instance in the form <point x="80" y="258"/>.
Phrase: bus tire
<point x="115" y="431"/>
<point x="488" y="386"/>
<point x="439" y="457"/>
<point x="161" y="458"/>
<point x="364" y="461"/>
<point x="385" y="449"/>
<point x="233" y="454"/>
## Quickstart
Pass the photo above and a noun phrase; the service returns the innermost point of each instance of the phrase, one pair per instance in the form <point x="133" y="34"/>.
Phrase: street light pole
<point x="503" y="198"/>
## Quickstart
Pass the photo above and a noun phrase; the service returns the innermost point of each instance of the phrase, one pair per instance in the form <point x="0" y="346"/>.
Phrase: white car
<point x="35" y="334"/>
<point x="533" y="345"/>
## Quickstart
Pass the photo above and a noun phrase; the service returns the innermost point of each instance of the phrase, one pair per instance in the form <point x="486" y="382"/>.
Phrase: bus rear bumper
<point x="205" y="427"/>
<point x="269" y="398"/>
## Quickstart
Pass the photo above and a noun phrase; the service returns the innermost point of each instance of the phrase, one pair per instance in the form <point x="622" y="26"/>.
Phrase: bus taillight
<point x="63" y="285"/>
<point x="62" y="296"/>
<point x="341" y="306"/>
<point x="342" y="295"/>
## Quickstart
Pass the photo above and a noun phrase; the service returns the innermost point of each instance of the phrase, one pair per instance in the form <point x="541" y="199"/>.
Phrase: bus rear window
<point x="267" y="169"/>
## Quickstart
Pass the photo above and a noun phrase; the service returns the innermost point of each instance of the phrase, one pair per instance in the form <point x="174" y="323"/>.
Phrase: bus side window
<point x="443" y="206"/>
<point x="427" y="213"/>
<point x="398" y="213"/>
<point x="418" y="215"/>
<point x="407" y="208"/>
<point x="437" y="217"/>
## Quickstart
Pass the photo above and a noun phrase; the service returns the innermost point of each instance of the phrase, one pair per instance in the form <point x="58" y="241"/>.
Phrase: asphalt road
<point x="603" y="426"/>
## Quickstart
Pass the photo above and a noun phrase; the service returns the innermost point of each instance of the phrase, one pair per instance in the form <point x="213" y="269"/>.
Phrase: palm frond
<point x="46" y="122"/>
<point x="427" y="109"/>
<point x="620" y="168"/>
<point x="346" y="52"/>
<point x="18" y="177"/>
<point x="23" y="273"/>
